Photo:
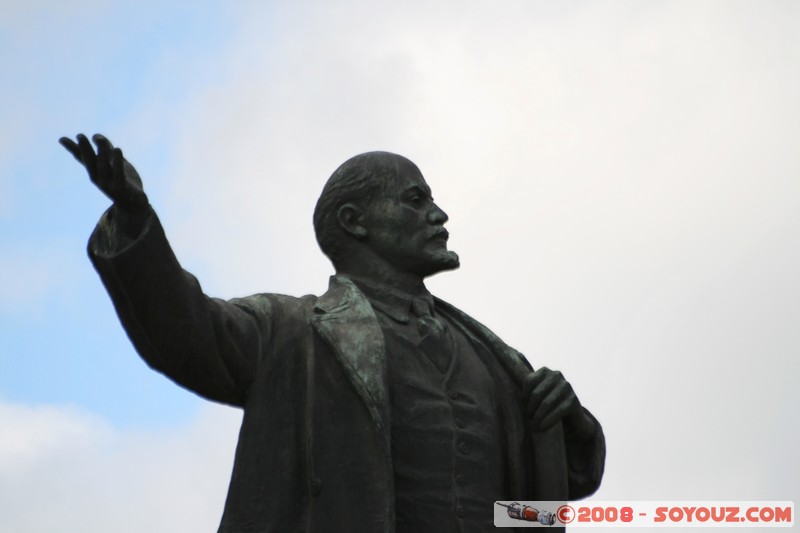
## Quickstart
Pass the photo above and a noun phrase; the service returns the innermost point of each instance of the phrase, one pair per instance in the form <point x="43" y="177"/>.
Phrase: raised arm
<point x="204" y="344"/>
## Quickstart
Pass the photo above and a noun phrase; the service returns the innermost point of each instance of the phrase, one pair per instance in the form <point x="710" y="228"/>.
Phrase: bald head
<point x="359" y="180"/>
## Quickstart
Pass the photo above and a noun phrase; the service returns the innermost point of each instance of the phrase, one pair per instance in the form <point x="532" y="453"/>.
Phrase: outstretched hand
<point x="549" y="399"/>
<point x="109" y="171"/>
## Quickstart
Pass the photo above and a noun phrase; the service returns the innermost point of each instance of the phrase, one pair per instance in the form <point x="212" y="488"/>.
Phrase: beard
<point x="442" y="261"/>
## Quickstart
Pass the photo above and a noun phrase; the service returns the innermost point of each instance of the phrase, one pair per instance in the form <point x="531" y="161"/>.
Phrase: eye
<point x="415" y="199"/>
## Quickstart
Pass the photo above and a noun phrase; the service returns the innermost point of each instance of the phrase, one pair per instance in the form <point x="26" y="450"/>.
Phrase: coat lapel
<point x="345" y="320"/>
<point x="513" y="362"/>
<point x="547" y="461"/>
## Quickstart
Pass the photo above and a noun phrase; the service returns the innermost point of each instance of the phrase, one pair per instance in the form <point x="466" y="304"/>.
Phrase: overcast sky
<point x="622" y="180"/>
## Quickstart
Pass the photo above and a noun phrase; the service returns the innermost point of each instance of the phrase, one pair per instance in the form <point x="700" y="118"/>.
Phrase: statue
<point x="375" y="407"/>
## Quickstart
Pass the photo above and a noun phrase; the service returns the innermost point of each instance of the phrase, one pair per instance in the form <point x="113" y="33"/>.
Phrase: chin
<point x="443" y="261"/>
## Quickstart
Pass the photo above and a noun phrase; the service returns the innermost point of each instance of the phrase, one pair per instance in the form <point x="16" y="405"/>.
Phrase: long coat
<point x="314" y="451"/>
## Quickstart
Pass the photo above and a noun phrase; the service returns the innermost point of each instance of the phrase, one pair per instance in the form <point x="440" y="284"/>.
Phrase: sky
<point x="622" y="180"/>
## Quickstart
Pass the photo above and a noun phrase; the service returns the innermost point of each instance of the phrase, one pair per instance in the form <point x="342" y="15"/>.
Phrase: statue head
<point x="377" y="207"/>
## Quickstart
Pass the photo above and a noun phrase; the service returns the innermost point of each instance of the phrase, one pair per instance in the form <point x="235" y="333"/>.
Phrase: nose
<point x="437" y="216"/>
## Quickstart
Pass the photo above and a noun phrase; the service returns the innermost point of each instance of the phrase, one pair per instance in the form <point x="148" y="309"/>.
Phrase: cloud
<point x="64" y="470"/>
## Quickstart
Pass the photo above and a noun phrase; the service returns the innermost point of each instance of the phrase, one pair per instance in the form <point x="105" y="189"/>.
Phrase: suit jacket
<point x="314" y="448"/>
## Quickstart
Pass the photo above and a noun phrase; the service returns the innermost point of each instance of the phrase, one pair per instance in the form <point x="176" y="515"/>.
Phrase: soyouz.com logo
<point x="644" y="514"/>
<point x="517" y="511"/>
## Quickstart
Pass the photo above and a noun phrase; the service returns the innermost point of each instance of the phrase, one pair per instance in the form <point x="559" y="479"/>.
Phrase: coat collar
<point x="394" y="303"/>
<point x="345" y="319"/>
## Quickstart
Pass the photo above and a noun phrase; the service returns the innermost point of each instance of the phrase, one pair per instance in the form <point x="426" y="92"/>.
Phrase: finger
<point x="533" y="380"/>
<point x="71" y="147"/>
<point x="558" y="404"/>
<point x="555" y="416"/>
<point x="88" y="157"/>
<point x="118" y="175"/>
<point x="550" y="421"/>
<point x="99" y="139"/>
<point x="549" y="381"/>
<point x="117" y="164"/>
<point x="104" y="174"/>
<point x="108" y="150"/>
<point x="538" y="396"/>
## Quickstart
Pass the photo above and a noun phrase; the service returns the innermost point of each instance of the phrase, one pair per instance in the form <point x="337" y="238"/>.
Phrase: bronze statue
<point x="375" y="407"/>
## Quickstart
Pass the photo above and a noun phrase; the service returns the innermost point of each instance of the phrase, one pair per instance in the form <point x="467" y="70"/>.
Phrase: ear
<point x="350" y="218"/>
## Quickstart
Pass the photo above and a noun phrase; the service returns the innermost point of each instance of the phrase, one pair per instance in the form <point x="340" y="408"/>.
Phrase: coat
<point x="310" y="374"/>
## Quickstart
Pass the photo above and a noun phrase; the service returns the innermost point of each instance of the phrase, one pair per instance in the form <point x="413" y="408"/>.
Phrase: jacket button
<point x="316" y="486"/>
<point x="452" y="394"/>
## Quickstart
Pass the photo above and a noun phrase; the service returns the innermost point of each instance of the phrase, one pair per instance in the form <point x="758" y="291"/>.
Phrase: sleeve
<point x="586" y="457"/>
<point x="204" y="344"/>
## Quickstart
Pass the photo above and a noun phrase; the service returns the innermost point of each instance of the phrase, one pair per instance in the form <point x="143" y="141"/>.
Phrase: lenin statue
<point x="374" y="408"/>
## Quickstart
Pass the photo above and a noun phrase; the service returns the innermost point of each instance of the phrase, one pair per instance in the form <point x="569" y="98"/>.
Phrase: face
<point x="406" y="228"/>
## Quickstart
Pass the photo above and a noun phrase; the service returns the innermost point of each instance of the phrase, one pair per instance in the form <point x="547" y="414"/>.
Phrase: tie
<point x="436" y="342"/>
